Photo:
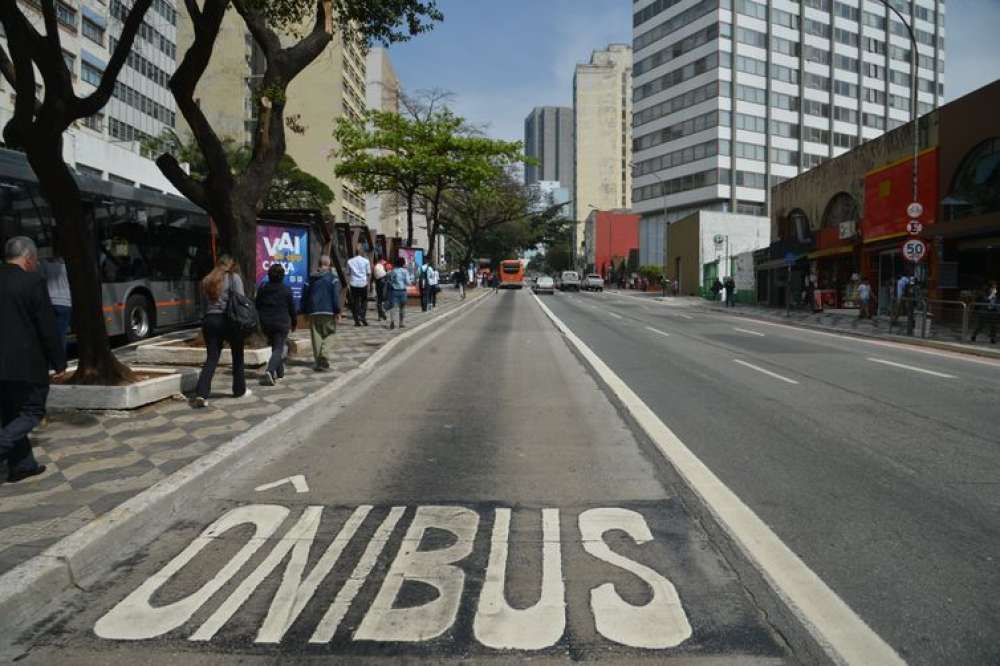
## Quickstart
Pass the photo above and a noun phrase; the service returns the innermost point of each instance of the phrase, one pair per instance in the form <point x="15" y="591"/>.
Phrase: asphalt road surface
<point x="487" y="502"/>
<point x="878" y="464"/>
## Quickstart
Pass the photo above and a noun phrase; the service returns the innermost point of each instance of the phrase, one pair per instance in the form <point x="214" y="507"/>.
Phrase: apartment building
<point x="108" y="144"/>
<point x="602" y="111"/>
<point x="383" y="93"/>
<point x="734" y="96"/>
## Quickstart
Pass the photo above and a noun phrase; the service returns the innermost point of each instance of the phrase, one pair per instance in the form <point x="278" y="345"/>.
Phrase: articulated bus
<point x="152" y="248"/>
<point x="511" y="274"/>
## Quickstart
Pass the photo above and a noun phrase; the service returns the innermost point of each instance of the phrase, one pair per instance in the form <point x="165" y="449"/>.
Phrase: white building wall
<point x="745" y="233"/>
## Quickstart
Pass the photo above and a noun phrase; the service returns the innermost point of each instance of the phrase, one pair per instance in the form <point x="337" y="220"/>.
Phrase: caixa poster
<point x="289" y="246"/>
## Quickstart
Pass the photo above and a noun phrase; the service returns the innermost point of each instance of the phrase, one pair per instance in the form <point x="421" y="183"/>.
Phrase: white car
<point x="544" y="285"/>
<point x="593" y="282"/>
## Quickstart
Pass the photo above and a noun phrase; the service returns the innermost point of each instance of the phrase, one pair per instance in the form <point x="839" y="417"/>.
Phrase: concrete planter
<point x="174" y="352"/>
<point x="167" y="382"/>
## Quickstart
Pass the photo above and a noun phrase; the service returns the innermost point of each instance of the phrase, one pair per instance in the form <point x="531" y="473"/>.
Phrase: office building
<point x="548" y="138"/>
<point x="734" y="96"/>
<point x="602" y="109"/>
<point x="382" y="91"/>
<point x="109" y="144"/>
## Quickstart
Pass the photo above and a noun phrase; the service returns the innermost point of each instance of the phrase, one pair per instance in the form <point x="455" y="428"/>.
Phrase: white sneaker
<point x="245" y="395"/>
<point x="199" y="402"/>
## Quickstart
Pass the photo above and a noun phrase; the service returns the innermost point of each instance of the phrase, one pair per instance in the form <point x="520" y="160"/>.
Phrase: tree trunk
<point x="244" y="243"/>
<point x="409" y="220"/>
<point x="97" y="364"/>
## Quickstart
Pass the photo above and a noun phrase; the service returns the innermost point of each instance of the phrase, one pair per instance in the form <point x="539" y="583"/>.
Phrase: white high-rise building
<point x="108" y="144"/>
<point x="718" y="120"/>
<point x="602" y="109"/>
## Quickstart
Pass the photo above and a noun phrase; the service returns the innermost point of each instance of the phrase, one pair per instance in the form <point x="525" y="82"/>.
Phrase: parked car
<point x="544" y="285"/>
<point x="569" y="281"/>
<point x="593" y="282"/>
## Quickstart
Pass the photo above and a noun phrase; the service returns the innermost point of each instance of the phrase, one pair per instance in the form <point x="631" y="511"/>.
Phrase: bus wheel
<point x="138" y="318"/>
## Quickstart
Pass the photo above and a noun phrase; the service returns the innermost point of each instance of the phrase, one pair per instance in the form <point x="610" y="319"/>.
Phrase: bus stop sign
<point x="915" y="250"/>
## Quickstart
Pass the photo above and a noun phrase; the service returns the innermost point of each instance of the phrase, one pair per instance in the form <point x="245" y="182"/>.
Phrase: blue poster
<point x="289" y="246"/>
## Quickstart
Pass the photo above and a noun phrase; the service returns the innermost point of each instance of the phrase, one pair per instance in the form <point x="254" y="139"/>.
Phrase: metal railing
<point x="931" y="317"/>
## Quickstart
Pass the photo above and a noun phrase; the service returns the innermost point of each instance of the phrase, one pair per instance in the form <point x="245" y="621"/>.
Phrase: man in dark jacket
<point x="29" y="345"/>
<point x="322" y="303"/>
<point x="276" y="311"/>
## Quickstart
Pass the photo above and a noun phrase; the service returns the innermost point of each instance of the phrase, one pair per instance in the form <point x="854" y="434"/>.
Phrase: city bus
<point x="152" y="248"/>
<point x="511" y="274"/>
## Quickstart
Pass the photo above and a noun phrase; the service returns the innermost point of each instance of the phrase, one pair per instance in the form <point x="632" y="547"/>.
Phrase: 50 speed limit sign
<point x="915" y="250"/>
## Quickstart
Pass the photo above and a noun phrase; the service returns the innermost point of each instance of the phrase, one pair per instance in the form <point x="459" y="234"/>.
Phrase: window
<point x="751" y="66"/>
<point x="786" y="157"/>
<point x="750" y="8"/>
<point x="90" y="74"/>
<point x="678" y="157"/>
<point x="899" y="102"/>
<point x="873" y="120"/>
<point x="844" y="88"/>
<point x="813" y="54"/>
<point x="845" y="63"/>
<point x="746" y="122"/>
<point x="976" y="187"/>
<point x="686" y="17"/>
<point x="751" y="37"/>
<point x="751" y="94"/>
<point x="817" y="28"/>
<point x="683" y="101"/>
<point x="66" y="15"/>
<point x="873" y="45"/>
<point x="874" y="71"/>
<point x="782" y="101"/>
<point x="682" y="184"/>
<point x="89" y="171"/>
<point x="70" y="61"/>
<point x="750" y="151"/>
<point x="779" y="17"/>
<point x="847" y="37"/>
<point x="786" y="46"/>
<point x="676" y="50"/>
<point x="816" y="82"/>
<point x="95" y="122"/>
<point x="92" y="31"/>
<point x="783" y="129"/>
<point x="846" y="11"/>
<point x="682" y="129"/>
<point x="815" y="134"/>
<point x="845" y="115"/>
<point x="809" y="160"/>
<point x="677" y="76"/>
<point x="874" y="20"/>
<point x="786" y="74"/>
<point x="874" y="95"/>
<point x="822" y="5"/>
<point x="841" y="208"/>
<point x="844" y="140"/>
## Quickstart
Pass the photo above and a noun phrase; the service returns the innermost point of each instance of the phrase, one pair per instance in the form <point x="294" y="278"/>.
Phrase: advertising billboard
<point x="889" y="191"/>
<point x="289" y="246"/>
<point x="414" y="259"/>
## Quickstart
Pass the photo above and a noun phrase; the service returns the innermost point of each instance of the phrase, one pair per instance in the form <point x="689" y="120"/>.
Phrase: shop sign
<point x="915" y="250"/>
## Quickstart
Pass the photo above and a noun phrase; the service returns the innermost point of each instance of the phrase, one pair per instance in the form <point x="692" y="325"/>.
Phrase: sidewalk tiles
<point x="97" y="461"/>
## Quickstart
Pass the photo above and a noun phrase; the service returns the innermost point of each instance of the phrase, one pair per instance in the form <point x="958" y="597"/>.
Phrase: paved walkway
<point x="97" y="460"/>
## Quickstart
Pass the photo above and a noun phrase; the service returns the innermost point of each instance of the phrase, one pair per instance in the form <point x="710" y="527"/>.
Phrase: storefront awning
<point x="831" y="251"/>
<point x="876" y="239"/>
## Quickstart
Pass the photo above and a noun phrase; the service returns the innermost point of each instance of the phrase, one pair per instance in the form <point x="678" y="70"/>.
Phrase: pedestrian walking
<point x="276" y="309"/>
<point x="730" y="285"/>
<point x="57" y="282"/>
<point x="902" y="292"/>
<point x="379" y="273"/>
<point x="716" y="289"/>
<point x="433" y="278"/>
<point x="864" y="299"/>
<point x="676" y="287"/>
<point x="496" y="282"/>
<point x="423" y="287"/>
<point x="360" y="272"/>
<point x="987" y="312"/>
<point x="399" y="280"/>
<point x="218" y="287"/>
<point x="321" y="301"/>
<point x="459" y="277"/>
<point x="29" y="347"/>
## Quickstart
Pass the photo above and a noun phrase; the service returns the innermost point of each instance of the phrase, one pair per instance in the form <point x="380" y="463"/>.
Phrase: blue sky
<point x="500" y="58"/>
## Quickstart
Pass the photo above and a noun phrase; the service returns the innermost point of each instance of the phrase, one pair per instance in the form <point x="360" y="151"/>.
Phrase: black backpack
<point x="240" y="312"/>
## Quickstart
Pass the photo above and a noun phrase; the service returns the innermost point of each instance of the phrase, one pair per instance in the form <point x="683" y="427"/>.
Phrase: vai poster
<point x="289" y="246"/>
<point x="414" y="258"/>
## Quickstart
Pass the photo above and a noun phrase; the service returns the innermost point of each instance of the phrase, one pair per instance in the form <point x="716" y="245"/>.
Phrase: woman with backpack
<point x="399" y="280"/>
<point x="276" y="309"/>
<point x="218" y="288"/>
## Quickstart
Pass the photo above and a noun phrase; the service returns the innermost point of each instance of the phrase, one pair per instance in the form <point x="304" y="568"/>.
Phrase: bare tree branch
<point x="7" y="68"/>
<point x="96" y="100"/>
<point x="190" y="187"/>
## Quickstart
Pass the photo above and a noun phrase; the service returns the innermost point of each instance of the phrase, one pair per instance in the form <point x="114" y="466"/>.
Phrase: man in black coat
<point x="29" y="345"/>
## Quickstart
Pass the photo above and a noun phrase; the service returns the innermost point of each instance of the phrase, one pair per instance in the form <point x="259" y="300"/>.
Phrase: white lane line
<point x="679" y="314"/>
<point x="836" y="628"/>
<point x="749" y="332"/>
<point x="910" y="367"/>
<point x="766" y="372"/>
<point x="656" y="330"/>
<point x="612" y="314"/>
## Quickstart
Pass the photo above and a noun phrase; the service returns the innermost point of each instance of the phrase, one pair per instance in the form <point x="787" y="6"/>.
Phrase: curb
<point x="902" y="339"/>
<point x="31" y="590"/>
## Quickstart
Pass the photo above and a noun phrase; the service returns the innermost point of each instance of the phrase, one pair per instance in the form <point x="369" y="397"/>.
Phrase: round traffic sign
<point x="914" y="227"/>
<point x="915" y="209"/>
<point x="915" y="250"/>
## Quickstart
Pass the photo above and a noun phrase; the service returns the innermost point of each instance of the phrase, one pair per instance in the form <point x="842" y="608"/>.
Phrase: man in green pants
<point x="322" y="303"/>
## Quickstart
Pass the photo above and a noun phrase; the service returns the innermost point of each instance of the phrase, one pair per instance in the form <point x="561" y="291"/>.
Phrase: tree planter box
<point x="167" y="382"/>
<point x="174" y="352"/>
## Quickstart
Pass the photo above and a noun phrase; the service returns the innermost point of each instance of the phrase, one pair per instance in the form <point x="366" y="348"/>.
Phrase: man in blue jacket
<point x="29" y="346"/>
<point x="322" y="303"/>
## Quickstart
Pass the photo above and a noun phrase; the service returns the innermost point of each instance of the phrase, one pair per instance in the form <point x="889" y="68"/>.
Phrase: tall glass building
<point x="733" y="96"/>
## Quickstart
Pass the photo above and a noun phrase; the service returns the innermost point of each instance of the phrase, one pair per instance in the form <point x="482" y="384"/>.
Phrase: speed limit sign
<point x="915" y="250"/>
<point x="914" y="227"/>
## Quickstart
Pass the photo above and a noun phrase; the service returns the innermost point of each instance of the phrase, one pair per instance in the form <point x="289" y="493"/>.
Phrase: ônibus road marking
<point x="766" y="372"/>
<point x="616" y="316"/>
<point x="656" y="330"/>
<point x="911" y="367"/>
<point x="837" y="629"/>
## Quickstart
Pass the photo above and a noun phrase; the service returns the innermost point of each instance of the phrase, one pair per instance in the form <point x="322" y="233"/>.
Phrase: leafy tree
<point x="419" y="156"/>
<point x="234" y="196"/>
<point x="37" y="128"/>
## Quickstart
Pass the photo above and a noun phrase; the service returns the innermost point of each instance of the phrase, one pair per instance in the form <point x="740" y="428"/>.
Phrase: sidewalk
<point x="98" y="460"/>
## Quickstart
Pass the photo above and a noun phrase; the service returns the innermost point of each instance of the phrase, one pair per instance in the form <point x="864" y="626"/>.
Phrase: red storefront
<point x="614" y="235"/>
<point x="888" y="192"/>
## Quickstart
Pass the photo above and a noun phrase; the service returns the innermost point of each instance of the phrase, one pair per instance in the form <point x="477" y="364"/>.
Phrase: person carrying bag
<point x="229" y="317"/>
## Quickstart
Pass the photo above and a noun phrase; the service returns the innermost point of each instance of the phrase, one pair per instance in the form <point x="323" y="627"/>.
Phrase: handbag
<point x="241" y="313"/>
